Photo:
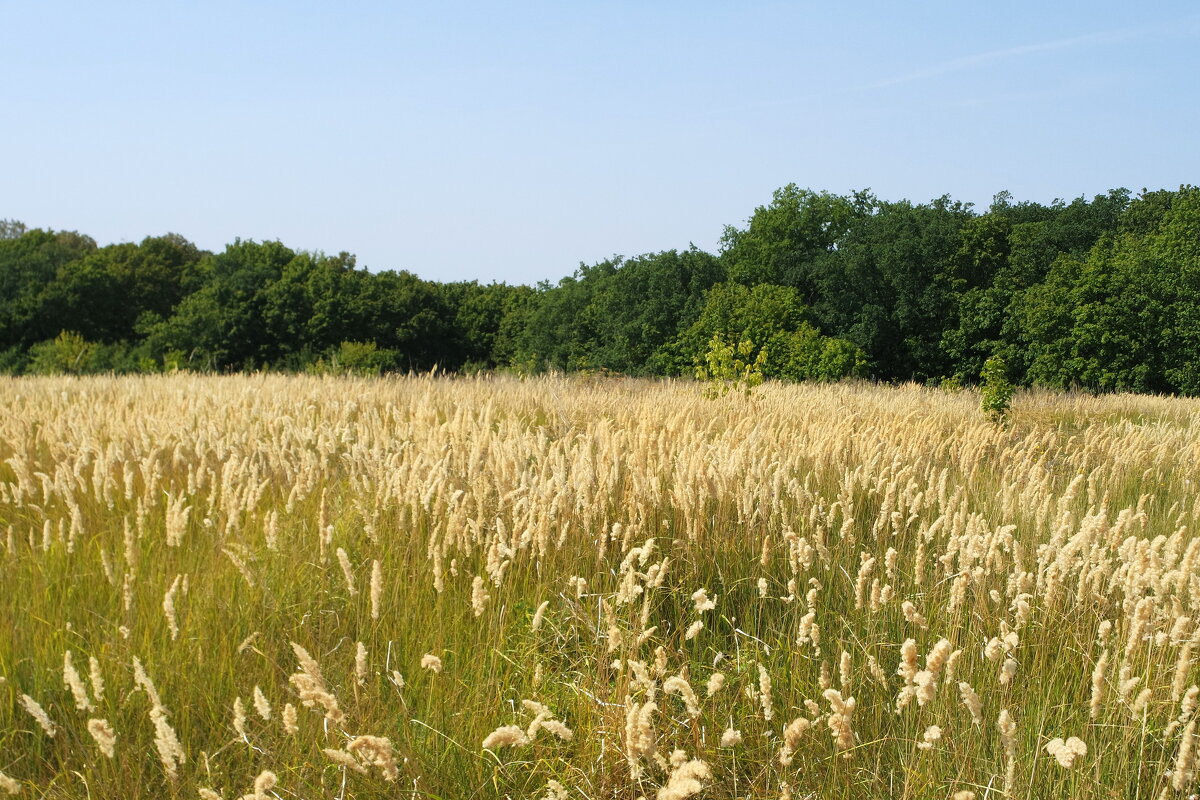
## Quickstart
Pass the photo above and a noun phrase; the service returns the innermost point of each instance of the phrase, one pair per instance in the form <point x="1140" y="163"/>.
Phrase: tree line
<point x="1101" y="294"/>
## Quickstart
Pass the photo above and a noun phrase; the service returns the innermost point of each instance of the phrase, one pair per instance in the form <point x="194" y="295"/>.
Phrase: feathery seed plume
<point x="791" y="739"/>
<point x="168" y="607"/>
<point x="1008" y="738"/>
<point x="539" y="615"/>
<point x="702" y="601"/>
<point x="1065" y="753"/>
<point x="764" y="692"/>
<point x="96" y="677"/>
<point x="376" y="588"/>
<point x="1184" y="775"/>
<point x="932" y="736"/>
<point x="840" y="720"/>
<point x="290" y="719"/>
<point x="360" y="664"/>
<point x="685" y="780"/>
<point x="505" y="736"/>
<point x="344" y="759"/>
<point x="104" y="736"/>
<point x="376" y="751"/>
<point x="971" y="701"/>
<point x="74" y="683"/>
<point x="479" y="596"/>
<point x="265" y="782"/>
<point x="261" y="705"/>
<point x="1098" y="685"/>
<point x="676" y="685"/>
<point x="239" y="717"/>
<point x="347" y="571"/>
<point x="39" y="714"/>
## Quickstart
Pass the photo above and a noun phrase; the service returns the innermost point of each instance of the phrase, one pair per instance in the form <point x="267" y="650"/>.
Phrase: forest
<point x="1100" y="294"/>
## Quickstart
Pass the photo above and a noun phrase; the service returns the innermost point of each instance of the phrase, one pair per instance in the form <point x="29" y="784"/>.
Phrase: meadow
<point x="299" y="587"/>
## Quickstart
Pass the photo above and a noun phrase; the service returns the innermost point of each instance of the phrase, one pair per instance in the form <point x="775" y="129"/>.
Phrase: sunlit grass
<point x="809" y="514"/>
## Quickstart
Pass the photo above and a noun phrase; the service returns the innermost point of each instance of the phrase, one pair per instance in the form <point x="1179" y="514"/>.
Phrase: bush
<point x="357" y="358"/>
<point x="13" y="361"/>
<point x="67" y="353"/>
<point x="71" y="354"/>
<point x="995" y="391"/>
<point x="727" y="367"/>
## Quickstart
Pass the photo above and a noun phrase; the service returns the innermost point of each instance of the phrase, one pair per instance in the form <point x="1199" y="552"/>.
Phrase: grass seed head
<point x="505" y="736"/>
<point x="1066" y="752"/>
<point x="103" y="735"/>
<point x="39" y="715"/>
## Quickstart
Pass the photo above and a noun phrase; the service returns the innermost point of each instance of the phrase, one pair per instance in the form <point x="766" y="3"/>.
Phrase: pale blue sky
<point x="511" y="141"/>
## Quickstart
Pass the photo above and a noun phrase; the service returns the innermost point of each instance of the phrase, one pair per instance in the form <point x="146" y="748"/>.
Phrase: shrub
<point x="357" y="358"/>
<point x="728" y="367"/>
<point x="995" y="391"/>
<point x="67" y="353"/>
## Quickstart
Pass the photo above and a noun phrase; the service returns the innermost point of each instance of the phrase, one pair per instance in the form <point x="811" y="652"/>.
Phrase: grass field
<point x="293" y="587"/>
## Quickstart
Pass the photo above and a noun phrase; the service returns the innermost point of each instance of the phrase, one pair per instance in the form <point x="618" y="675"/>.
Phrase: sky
<point x="514" y="141"/>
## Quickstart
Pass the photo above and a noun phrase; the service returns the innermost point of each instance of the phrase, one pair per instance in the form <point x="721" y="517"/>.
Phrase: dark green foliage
<point x="1100" y="294"/>
<point x="29" y="266"/>
<point x="226" y="323"/>
<point x="1124" y="316"/>
<point x="618" y="315"/>
<point x="103" y="294"/>
<point x="783" y="241"/>
<point x="891" y="285"/>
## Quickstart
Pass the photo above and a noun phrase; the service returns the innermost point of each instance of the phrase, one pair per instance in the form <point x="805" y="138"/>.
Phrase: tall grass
<point x="490" y="587"/>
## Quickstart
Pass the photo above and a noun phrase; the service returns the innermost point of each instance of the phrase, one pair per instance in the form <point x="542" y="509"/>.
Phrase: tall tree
<point x="891" y="286"/>
<point x="782" y="240"/>
<point x="223" y="325"/>
<point x="28" y="264"/>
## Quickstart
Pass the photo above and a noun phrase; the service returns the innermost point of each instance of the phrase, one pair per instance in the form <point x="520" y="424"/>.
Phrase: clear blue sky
<point x="512" y="141"/>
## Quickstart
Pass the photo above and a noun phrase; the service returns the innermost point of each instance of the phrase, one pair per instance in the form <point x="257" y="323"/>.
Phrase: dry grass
<point x="299" y="587"/>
